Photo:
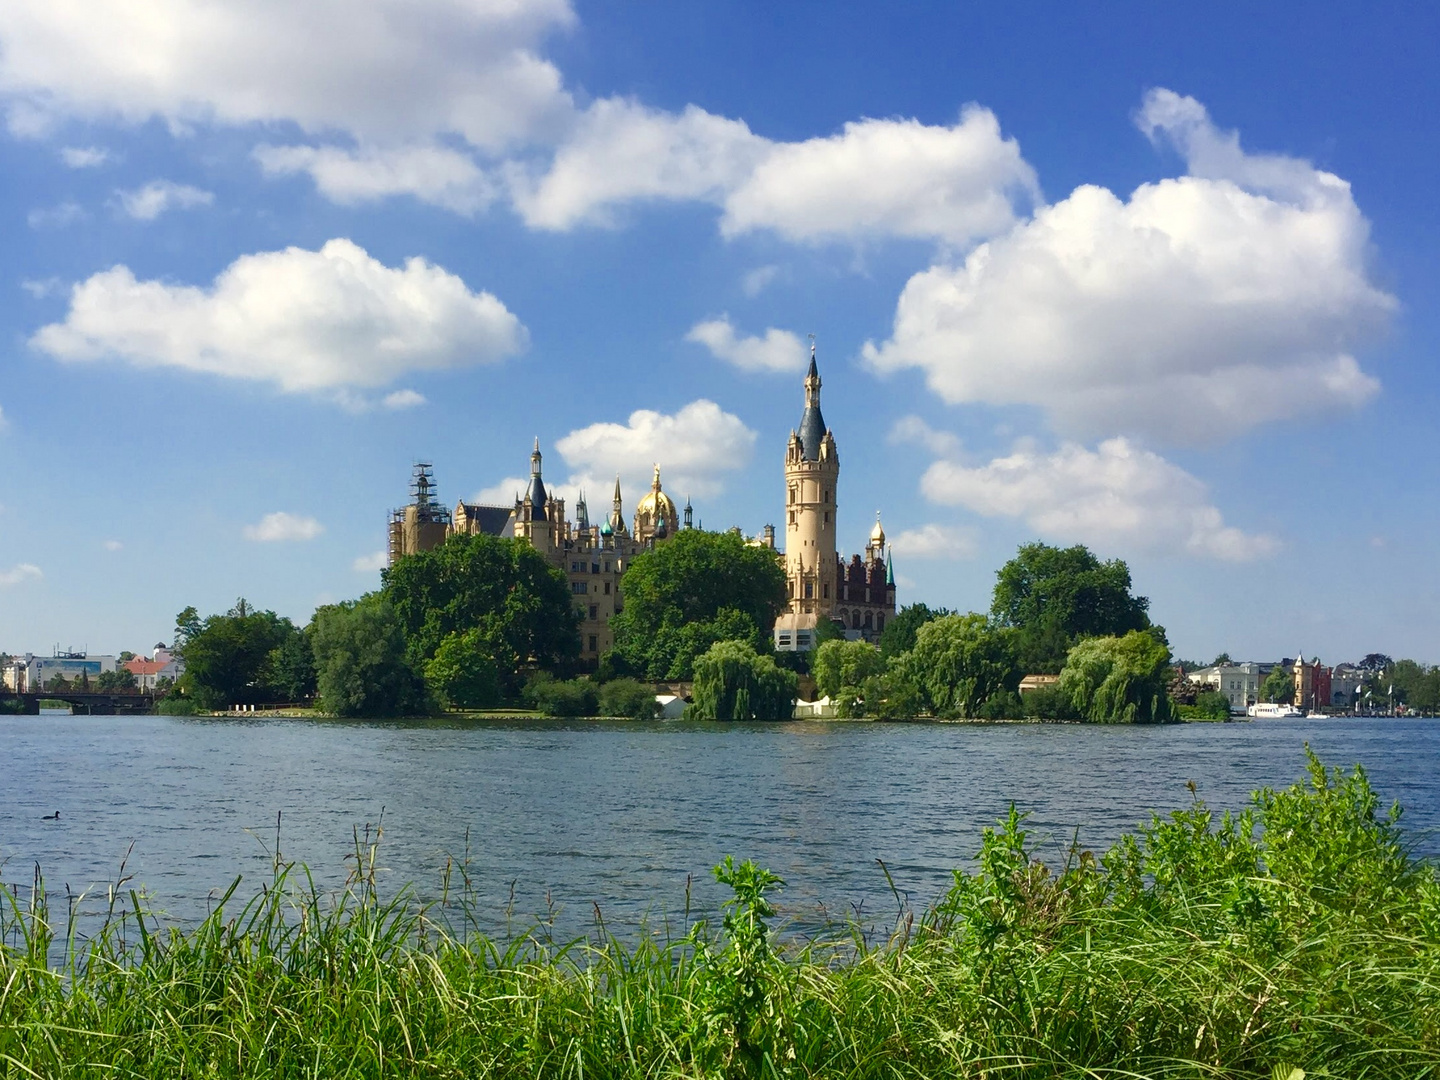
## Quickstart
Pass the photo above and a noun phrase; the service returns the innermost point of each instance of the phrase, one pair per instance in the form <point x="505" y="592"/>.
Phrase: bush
<point x="1048" y="703"/>
<point x="175" y="706"/>
<point x="1002" y="705"/>
<point x="629" y="699"/>
<point x="555" y="697"/>
<point x="464" y="672"/>
<point x="732" y="682"/>
<point x="1212" y="705"/>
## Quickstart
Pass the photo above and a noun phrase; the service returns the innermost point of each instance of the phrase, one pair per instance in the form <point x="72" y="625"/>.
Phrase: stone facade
<point x="859" y="595"/>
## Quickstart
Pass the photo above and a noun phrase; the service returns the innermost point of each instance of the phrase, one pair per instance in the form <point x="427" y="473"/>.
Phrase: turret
<point x="812" y="474"/>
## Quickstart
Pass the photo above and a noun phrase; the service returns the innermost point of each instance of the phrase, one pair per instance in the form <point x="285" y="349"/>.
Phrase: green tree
<point x="1279" y="686"/>
<point x="187" y="625"/>
<point x="121" y="680"/>
<point x="1212" y="703"/>
<point x="733" y="682"/>
<point x="561" y="697"/>
<point x="463" y="671"/>
<point x="695" y="590"/>
<point x="289" y="669"/>
<point x="504" y="588"/>
<point x="960" y="661"/>
<point x="899" y="633"/>
<point x="628" y="698"/>
<point x="361" y="662"/>
<point x="1118" y="680"/>
<point x="1054" y="597"/>
<point x="841" y="669"/>
<point x="227" y="659"/>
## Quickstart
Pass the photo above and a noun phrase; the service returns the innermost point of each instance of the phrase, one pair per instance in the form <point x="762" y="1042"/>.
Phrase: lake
<point x="565" y="816"/>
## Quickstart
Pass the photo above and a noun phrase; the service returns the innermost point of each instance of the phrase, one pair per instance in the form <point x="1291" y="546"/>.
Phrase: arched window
<point x="867" y="620"/>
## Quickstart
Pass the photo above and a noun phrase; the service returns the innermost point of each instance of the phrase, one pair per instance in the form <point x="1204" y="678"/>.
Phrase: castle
<point x="858" y="595"/>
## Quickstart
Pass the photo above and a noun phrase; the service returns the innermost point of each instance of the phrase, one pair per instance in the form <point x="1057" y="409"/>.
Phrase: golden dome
<point x="655" y="514"/>
<point x="877" y="534"/>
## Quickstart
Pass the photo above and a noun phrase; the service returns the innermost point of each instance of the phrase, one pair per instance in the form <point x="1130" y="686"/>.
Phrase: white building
<point x="40" y="671"/>
<point x="1240" y="683"/>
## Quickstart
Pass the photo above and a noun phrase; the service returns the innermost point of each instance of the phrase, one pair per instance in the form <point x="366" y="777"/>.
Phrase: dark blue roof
<point x="812" y="431"/>
<point x="536" y="493"/>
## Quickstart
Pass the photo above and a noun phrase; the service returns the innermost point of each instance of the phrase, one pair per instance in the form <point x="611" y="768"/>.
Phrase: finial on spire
<point x="655" y="484"/>
<point x="812" y="345"/>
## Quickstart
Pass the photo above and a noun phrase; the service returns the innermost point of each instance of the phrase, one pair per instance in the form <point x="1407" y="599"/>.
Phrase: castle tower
<point x="539" y="518"/>
<point x="655" y="517"/>
<point x="812" y="474"/>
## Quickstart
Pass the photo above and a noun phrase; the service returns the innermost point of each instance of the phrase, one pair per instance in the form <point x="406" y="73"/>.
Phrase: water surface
<point x="564" y="816"/>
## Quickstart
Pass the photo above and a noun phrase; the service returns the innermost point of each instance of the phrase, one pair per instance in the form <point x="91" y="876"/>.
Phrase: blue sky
<point x="1155" y="281"/>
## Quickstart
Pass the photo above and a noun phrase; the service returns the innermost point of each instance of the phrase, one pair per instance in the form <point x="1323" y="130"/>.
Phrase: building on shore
<point x="592" y="556"/>
<point x="858" y="594"/>
<point x="30" y="674"/>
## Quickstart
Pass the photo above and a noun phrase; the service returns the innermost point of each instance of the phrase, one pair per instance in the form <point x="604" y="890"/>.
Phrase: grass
<point x="1299" y="938"/>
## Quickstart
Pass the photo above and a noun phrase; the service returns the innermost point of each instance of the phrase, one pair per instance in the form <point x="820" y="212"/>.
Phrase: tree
<point x="1221" y="660"/>
<point x="696" y="589"/>
<point x="187" y="625"/>
<point x="361" y="662"/>
<point x="289" y="669"/>
<point x="227" y="659"/>
<point x="841" y="669"/>
<point x="629" y="699"/>
<point x="899" y="633"/>
<point x="960" y="661"/>
<point x="1054" y="597"/>
<point x="503" y="588"/>
<point x="1279" y="686"/>
<point x="733" y="682"/>
<point x="561" y="697"/>
<point x="121" y="680"/>
<point x="1118" y="680"/>
<point x="463" y="671"/>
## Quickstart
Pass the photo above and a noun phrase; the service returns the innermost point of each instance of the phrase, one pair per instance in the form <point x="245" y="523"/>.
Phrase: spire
<point x="890" y="567"/>
<point x="535" y="493"/>
<point x="655" y="484"/>
<point x="617" y="514"/>
<point x="582" y="512"/>
<point x="689" y="513"/>
<point x="812" y="423"/>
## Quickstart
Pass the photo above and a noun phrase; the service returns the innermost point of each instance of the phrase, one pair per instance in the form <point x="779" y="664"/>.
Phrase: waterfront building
<point x="1240" y="683"/>
<point x="858" y="594"/>
<point x="592" y="556"/>
<point x="30" y="673"/>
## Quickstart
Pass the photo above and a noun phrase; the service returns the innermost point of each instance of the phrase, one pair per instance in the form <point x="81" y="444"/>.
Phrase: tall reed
<point x="1298" y="938"/>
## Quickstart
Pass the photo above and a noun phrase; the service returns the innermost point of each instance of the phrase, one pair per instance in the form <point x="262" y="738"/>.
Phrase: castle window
<point x="827" y="592"/>
<point x="880" y="622"/>
<point x="867" y="620"/>
<point x="592" y="643"/>
<point x="809" y="591"/>
<point x="594" y="613"/>
<point x="595" y="568"/>
<point x="792" y="519"/>
<point x="827" y="495"/>
<point x="578" y="587"/>
<point x="607" y="588"/>
<point x="827" y="517"/>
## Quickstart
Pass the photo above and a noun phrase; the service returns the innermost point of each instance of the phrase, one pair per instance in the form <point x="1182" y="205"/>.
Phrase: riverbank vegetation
<point x="1296" y="939"/>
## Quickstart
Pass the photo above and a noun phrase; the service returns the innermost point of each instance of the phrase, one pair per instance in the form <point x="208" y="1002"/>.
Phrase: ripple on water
<point x="621" y="814"/>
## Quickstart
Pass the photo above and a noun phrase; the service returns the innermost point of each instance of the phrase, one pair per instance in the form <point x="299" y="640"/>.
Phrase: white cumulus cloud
<point x="56" y="217"/>
<point x="778" y="350"/>
<point x="913" y="430"/>
<point x="403" y="399"/>
<point x="435" y="174"/>
<point x="148" y="202"/>
<point x="621" y="151"/>
<point x="326" y="320"/>
<point x="20" y="572"/>
<point x="1200" y="307"/>
<point x="84" y="157"/>
<point x="697" y="448"/>
<point x="888" y="178"/>
<point x="935" y="542"/>
<point x="384" y="71"/>
<point x="368" y="564"/>
<point x="1117" y="497"/>
<point x="281" y="526"/>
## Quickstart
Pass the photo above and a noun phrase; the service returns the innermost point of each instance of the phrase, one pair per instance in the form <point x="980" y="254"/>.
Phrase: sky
<point x="1156" y="281"/>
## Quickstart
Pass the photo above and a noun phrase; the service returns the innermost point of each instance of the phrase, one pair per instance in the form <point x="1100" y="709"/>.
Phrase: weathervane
<point x="812" y="345"/>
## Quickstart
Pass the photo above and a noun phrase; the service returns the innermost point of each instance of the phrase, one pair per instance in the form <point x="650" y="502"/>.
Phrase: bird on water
<point x="52" y="817"/>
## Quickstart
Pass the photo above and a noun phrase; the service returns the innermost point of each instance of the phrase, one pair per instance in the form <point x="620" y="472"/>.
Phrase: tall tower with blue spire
<point x="812" y="476"/>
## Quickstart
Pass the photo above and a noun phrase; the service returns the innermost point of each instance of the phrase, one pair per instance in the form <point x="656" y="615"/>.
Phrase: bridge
<point x="84" y="703"/>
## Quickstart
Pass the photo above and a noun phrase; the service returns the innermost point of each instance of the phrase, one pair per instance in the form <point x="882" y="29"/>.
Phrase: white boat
<point x="1266" y="710"/>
